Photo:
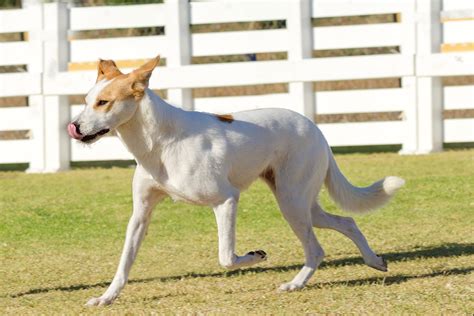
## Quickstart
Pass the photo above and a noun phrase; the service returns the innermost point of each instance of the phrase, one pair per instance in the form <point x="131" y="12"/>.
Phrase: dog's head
<point x="112" y="101"/>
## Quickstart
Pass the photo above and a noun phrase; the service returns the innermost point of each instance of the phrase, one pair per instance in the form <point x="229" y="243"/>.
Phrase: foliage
<point x="17" y="3"/>
<point x="113" y="2"/>
<point x="9" y="3"/>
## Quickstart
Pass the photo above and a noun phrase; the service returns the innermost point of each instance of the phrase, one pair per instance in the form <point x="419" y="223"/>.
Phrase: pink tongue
<point x="72" y="131"/>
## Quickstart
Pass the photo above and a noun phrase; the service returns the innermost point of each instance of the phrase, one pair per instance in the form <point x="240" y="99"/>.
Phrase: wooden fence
<point x="432" y="38"/>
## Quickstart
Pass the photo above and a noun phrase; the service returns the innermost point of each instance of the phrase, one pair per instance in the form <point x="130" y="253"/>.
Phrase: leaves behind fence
<point x="9" y="3"/>
<point x="113" y="2"/>
<point x="18" y="3"/>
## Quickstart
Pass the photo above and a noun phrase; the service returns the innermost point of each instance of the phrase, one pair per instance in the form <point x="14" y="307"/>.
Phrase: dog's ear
<point x="107" y="69"/>
<point x="141" y="76"/>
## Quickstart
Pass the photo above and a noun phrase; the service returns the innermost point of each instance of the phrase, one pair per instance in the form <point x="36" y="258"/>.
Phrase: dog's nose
<point x="77" y="128"/>
<point x="74" y="130"/>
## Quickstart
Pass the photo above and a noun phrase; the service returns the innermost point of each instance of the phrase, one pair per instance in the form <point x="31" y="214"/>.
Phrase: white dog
<point x="209" y="159"/>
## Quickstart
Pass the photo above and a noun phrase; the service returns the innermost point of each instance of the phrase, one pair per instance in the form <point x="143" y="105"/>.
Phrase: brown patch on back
<point x="269" y="177"/>
<point x="227" y="118"/>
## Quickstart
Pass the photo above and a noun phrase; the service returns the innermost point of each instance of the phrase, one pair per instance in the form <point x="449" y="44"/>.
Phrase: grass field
<point x="61" y="236"/>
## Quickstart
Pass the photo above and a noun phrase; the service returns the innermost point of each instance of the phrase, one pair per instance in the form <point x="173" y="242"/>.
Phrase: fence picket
<point x="57" y="113"/>
<point x="430" y="90"/>
<point x="178" y="36"/>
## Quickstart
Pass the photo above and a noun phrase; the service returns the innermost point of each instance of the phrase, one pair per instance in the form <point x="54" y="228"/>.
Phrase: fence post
<point x="57" y="114"/>
<point x="300" y="41"/>
<point x="409" y="83"/>
<point x="430" y="90"/>
<point x="178" y="36"/>
<point x="36" y="102"/>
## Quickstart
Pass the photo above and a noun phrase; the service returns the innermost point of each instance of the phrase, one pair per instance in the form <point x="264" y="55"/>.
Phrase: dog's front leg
<point x="145" y="197"/>
<point x="226" y="219"/>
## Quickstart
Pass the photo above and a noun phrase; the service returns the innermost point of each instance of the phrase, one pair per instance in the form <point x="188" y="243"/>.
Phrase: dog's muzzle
<point x="75" y="132"/>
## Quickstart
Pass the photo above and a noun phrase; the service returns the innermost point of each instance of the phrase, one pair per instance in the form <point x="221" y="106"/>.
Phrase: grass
<point x="61" y="237"/>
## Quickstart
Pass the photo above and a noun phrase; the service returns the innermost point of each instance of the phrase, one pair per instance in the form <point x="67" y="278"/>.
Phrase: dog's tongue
<point x="72" y="131"/>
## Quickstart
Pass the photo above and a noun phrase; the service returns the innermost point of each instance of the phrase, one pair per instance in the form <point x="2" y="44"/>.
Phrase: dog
<point x="208" y="159"/>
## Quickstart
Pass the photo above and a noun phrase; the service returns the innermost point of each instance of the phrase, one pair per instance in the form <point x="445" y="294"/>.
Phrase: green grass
<point x="61" y="236"/>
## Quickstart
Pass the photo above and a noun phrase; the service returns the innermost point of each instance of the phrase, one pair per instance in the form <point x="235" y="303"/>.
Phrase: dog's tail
<point x="355" y="199"/>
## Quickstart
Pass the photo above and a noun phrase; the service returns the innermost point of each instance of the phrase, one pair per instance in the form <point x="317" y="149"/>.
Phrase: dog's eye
<point x="102" y="102"/>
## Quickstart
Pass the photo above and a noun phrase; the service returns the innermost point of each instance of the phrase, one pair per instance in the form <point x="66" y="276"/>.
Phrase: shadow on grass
<point x="127" y="164"/>
<point x="366" y="149"/>
<point x="448" y="250"/>
<point x="13" y="167"/>
<point x="395" y="279"/>
<point x="103" y="164"/>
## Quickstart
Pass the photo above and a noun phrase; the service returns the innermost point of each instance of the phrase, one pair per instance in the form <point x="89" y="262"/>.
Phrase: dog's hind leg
<point x="225" y="213"/>
<point x="297" y="214"/>
<point x="348" y="227"/>
<point x="145" y="197"/>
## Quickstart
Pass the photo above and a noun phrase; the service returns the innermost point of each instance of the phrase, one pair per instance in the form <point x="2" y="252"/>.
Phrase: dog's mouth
<point x="91" y="137"/>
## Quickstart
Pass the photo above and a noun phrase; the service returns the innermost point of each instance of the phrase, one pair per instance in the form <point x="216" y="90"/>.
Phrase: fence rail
<point x="417" y="41"/>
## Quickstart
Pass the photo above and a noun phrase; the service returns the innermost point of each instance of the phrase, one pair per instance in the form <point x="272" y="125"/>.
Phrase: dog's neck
<point x="154" y="125"/>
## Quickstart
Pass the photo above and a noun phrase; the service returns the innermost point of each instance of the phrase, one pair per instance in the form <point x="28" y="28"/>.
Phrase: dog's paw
<point x="99" y="301"/>
<point x="378" y="263"/>
<point x="290" y="286"/>
<point x="259" y="254"/>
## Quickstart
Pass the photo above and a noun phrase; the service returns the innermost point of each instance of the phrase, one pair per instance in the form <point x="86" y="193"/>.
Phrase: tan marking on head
<point x="141" y="76"/>
<point x="227" y="118"/>
<point x="119" y="89"/>
<point x="122" y="87"/>
<point x="107" y="69"/>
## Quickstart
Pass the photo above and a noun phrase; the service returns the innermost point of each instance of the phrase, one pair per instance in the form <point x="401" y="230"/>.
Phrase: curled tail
<point x="355" y="199"/>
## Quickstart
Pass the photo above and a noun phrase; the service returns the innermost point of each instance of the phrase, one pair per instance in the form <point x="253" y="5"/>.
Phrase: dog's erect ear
<point x="107" y="69"/>
<point x="141" y="76"/>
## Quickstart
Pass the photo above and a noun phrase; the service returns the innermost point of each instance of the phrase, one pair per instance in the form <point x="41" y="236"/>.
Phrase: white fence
<point x="423" y="29"/>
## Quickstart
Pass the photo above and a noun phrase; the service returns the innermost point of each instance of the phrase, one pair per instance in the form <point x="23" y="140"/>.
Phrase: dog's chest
<point x="180" y="198"/>
<point x="184" y="189"/>
<point x="183" y="195"/>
